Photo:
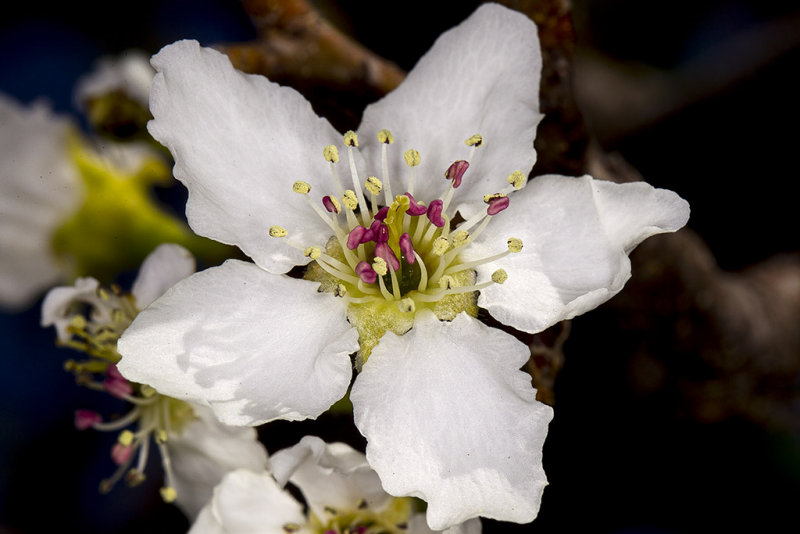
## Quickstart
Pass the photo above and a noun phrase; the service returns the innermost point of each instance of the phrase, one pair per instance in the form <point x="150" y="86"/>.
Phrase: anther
<point x="278" y="231"/>
<point x="147" y="391"/>
<point x="456" y="171"/>
<point x="125" y="438"/>
<point x="414" y="207"/>
<point x="355" y="237"/>
<point x="340" y="291"/>
<point x="385" y="136"/>
<point x="331" y="204"/>
<point x="373" y="185"/>
<point x="384" y="251"/>
<point x="435" y="213"/>
<point x="366" y="273"/>
<point x="412" y="157"/>
<point x="134" y="477"/>
<point x="291" y="527"/>
<point x="514" y="244"/>
<point x="168" y="493"/>
<point x="301" y="187"/>
<point x="440" y="245"/>
<point x="350" y="200"/>
<point x="499" y="276"/>
<point x="331" y="153"/>
<point x="120" y="454"/>
<point x="476" y="140"/>
<point x="380" y="267"/>
<point x="447" y="282"/>
<point x="517" y="179"/>
<point x="161" y="436"/>
<point x="407" y="305"/>
<point x="407" y="248"/>
<point x="496" y="205"/>
<point x="460" y="238"/>
<point x="86" y="418"/>
<point x="351" y="138"/>
<point x="312" y="252"/>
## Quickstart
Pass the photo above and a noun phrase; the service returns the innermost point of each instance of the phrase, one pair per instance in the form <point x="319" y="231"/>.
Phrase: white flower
<point x="447" y="413"/>
<point x="39" y="188"/>
<point x="341" y="491"/>
<point x="196" y="449"/>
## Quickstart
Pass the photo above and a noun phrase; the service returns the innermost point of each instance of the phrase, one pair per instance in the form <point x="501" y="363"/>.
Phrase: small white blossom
<point x="392" y="275"/>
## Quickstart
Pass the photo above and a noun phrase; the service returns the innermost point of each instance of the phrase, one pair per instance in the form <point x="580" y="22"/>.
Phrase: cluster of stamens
<point x="94" y="327"/>
<point x="391" y="519"/>
<point x="396" y="248"/>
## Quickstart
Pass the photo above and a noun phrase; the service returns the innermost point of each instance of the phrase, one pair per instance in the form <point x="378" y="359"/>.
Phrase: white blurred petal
<point x="480" y="77"/>
<point x="576" y="235"/>
<point x="251" y="345"/>
<point x="131" y="73"/>
<point x="450" y="418"/>
<point x="204" y="452"/>
<point x="58" y="305"/>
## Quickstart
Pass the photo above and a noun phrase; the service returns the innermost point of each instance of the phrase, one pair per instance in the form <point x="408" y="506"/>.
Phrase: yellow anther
<point x="161" y="436"/>
<point x="447" y="282"/>
<point x="350" y="199"/>
<point x="72" y="365"/>
<point x="103" y="294"/>
<point x="291" y="527"/>
<point x="301" y="187"/>
<point x="340" y="291"/>
<point x="460" y="238"/>
<point x="475" y="140"/>
<point x="278" y="231"/>
<point x="489" y="198"/>
<point x="407" y="305"/>
<point x="412" y="157"/>
<point x="380" y="267"/>
<point x="312" y="252"/>
<point x="147" y="391"/>
<point x="78" y="322"/>
<point x="335" y="201"/>
<point x="514" y="244"/>
<point x="169" y="494"/>
<point x="134" y="477"/>
<point x="373" y="185"/>
<point x="440" y="245"/>
<point x="499" y="276"/>
<point x="331" y="153"/>
<point x="517" y="179"/>
<point x="330" y="510"/>
<point x="350" y="138"/>
<point x="385" y="136"/>
<point x="125" y="438"/>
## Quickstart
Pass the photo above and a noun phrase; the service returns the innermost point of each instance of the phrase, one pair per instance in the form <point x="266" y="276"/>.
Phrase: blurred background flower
<point x="676" y="409"/>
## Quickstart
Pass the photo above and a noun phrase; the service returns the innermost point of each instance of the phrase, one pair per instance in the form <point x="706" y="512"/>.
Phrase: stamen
<point x="435" y="213"/>
<point x="350" y="138"/>
<point x="385" y="137"/>
<point x="278" y="231"/>
<point x="474" y="142"/>
<point x="517" y="179"/>
<point x="414" y="207"/>
<point x="125" y="438"/>
<point x="374" y="186"/>
<point x="86" y="418"/>
<point x="366" y="272"/>
<point x="497" y="204"/>
<point x="499" y="276"/>
<point x="121" y="454"/>
<point x="350" y="201"/>
<point x="385" y="252"/>
<point x="413" y="159"/>
<point x="351" y="142"/>
<point x="331" y="154"/>
<point x="440" y="245"/>
<point x="312" y="252"/>
<point x="407" y="248"/>
<point x="331" y="204"/>
<point x="423" y="273"/>
<point x="456" y="171"/>
<point x="379" y="266"/>
<point x="514" y="245"/>
<point x="407" y="305"/>
<point x="354" y="238"/>
<point x="301" y="187"/>
<point x="459" y="238"/>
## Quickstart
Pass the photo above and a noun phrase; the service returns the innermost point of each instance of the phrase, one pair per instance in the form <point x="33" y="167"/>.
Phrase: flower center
<point x="393" y="255"/>
<point x="391" y="518"/>
<point x="95" y="326"/>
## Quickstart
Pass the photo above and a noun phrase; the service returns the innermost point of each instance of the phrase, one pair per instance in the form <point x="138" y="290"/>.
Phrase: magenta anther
<point x="354" y="238"/>
<point x="329" y="204"/>
<point x="435" y="213"/>
<point x="456" y="171"/>
<point x="383" y="250"/>
<point x="496" y="205"/>
<point x="415" y="208"/>
<point x="365" y="271"/>
<point x="408" y="248"/>
<point x="86" y="418"/>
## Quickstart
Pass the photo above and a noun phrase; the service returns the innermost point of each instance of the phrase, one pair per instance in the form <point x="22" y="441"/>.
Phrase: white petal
<point x="167" y="265"/>
<point x="131" y="73"/>
<point x="418" y="525"/>
<point x="576" y="234"/>
<point x="252" y="345"/>
<point x="249" y="503"/>
<point x="450" y="418"/>
<point x="239" y="143"/>
<point x="480" y="77"/>
<point x="58" y="304"/>
<point x="329" y="474"/>
<point x="39" y="189"/>
<point x="204" y="452"/>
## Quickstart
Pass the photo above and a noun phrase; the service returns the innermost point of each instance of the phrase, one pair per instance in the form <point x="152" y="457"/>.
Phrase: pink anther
<point x="381" y="215"/>
<point x="496" y="205"/>
<point x="116" y="384"/>
<point x="383" y="250"/>
<point x="435" y="213"/>
<point x="354" y="238"/>
<point x="415" y="208"/>
<point x="365" y="271"/>
<point x="330" y="205"/>
<point x="121" y="453"/>
<point x="408" y="248"/>
<point x="86" y="418"/>
<point x="456" y="171"/>
<point x="382" y="235"/>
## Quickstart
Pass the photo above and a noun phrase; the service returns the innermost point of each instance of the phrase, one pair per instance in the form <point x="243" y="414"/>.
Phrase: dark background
<point x="620" y="458"/>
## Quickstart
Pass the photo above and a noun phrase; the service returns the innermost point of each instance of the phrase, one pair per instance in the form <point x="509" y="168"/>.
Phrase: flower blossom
<point x="196" y="449"/>
<point x="342" y="495"/>
<point x="405" y="228"/>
